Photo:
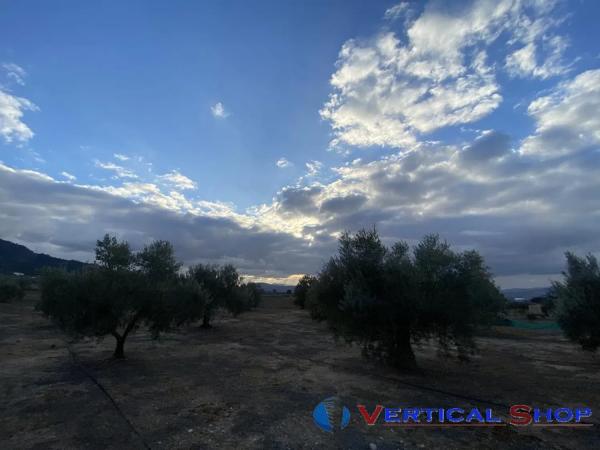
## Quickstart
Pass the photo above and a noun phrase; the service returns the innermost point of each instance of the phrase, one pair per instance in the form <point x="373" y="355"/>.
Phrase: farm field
<point x="252" y="383"/>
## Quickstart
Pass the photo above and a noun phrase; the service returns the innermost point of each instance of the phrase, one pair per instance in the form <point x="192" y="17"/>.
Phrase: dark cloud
<point x="489" y="146"/>
<point x="343" y="205"/>
<point x="66" y="220"/>
<point x="299" y="199"/>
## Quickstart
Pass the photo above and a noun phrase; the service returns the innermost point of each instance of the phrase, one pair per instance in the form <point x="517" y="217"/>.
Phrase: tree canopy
<point x="578" y="301"/>
<point x="301" y="290"/>
<point x="388" y="298"/>
<point x="11" y="289"/>
<point x="114" y="297"/>
<point x="125" y="290"/>
<point x="224" y="289"/>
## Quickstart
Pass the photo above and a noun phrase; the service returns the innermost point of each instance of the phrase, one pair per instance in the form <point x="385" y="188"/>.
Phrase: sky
<point x="254" y="133"/>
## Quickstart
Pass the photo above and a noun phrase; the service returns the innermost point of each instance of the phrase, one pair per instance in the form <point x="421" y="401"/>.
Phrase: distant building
<point x="18" y="274"/>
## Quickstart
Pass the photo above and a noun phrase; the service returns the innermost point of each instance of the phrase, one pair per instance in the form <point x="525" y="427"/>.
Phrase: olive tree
<point x="10" y="289"/>
<point x="578" y="301"/>
<point x="301" y="290"/>
<point x="225" y="290"/>
<point x="253" y="294"/>
<point x="389" y="298"/>
<point x="115" y="296"/>
<point x="157" y="261"/>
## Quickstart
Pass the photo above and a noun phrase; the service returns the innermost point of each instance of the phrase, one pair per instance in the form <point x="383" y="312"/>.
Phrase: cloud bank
<point x="522" y="200"/>
<point x="394" y="88"/>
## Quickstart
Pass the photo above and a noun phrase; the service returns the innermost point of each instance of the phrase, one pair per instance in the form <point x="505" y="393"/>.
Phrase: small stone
<point x="372" y="446"/>
<point x="190" y="430"/>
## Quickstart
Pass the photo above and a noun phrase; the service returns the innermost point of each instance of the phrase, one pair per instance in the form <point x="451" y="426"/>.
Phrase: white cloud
<point x="15" y="73"/>
<point x="120" y="172"/>
<point x="218" y="111"/>
<point x="151" y="194"/>
<point x="68" y="176"/>
<point x="567" y="119"/>
<point x="396" y="11"/>
<point x="178" y="180"/>
<point x="66" y="219"/>
<point x="540" y="52"/>
<point x="390" y="90"/>
<point x="282" y="163"/>
<point x="121" y="157"/>
<point x="524" y="62"/>
<point x="291" y="280"/>
<point x="314" y="167"/>
<point x="12" y="108"/>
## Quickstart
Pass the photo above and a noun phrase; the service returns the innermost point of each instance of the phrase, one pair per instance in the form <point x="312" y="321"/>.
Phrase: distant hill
<point x="18" y="258"/>
<point x="514" y="293"/>
<point x="277" y="288"/>
<point x="525" y="293"/>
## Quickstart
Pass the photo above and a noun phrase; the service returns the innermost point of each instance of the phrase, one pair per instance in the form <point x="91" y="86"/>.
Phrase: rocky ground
<point x="252" y="382"/>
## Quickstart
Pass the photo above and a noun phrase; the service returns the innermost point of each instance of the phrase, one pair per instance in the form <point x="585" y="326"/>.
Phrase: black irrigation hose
<point x="417" y="386"/>
<point x="450" y="394"/>
<point x="107" y="394"/>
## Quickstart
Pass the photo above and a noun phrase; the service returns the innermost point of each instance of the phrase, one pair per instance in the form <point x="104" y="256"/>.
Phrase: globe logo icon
<point x="331" y="415"/>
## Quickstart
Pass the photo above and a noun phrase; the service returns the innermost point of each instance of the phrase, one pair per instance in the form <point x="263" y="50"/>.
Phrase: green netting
<point x="534" y="325"/>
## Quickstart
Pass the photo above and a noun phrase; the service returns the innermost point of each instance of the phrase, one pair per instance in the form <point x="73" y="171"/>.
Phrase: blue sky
<point x="139" y="78"/>
<point x="255" y="132"/>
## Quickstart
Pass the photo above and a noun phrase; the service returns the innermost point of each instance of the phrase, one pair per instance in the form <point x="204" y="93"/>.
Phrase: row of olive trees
<point x="389" y="298"/>
<point x="125" y="290"/>
<point x="11" y="289"/>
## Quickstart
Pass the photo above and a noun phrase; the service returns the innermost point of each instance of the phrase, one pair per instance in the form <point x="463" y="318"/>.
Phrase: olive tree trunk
<point x="401" y="354"/>
<point x="120" y="348"/>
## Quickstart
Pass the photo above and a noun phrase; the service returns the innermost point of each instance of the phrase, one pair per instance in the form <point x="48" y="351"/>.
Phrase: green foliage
<point x="301" y="290"/>
<point x="253" y="295"/>
<point x="114" y="297"/>
<point x="123" y="291"/>
<point x="578" y="299"/>
<point x="549" y="305"/>
<point x="158" y="262"/>
<point x="92" y="302"/>
<point x="113" y="255"/>
<point x="11" y="289"/>
<point x="387" y="298"/>
<point x="231" y="291"/>
<point x="189" y="300"/>
<point x="208" y="277"/>
<point x="224" y="289"/>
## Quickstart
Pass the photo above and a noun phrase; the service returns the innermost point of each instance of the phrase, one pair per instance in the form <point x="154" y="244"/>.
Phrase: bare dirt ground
<point x="252" y="382"/>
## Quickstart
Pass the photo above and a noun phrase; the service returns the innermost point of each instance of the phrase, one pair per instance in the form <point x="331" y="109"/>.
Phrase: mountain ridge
<point x="16" y="258"/>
